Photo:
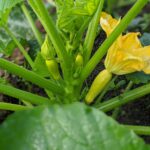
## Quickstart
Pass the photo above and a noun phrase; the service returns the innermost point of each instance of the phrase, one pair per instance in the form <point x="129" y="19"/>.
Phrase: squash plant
<point x="60" y="120"/>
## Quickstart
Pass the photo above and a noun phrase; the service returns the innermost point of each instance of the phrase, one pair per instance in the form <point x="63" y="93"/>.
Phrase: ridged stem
<point x="47" y="22"/>
<point x="31" y="76"/>
<point x="12" y="107"/>
<point x="32" y="24"/>
<point x="23" y="95"/>
<point x="125" y="98"/>
<point x="91" y="33"/>
<point x="141" y="130"/>
<point x="21" y="48"/>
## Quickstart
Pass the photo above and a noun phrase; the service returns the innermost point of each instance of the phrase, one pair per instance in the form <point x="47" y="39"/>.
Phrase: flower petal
<point x="126" y="55"/>
<point x="108" y="23"/>
<point x="113" y="56"/>
<point x="144" y="53"/>
<point x="129" y="65"/>
<point x="124" y="63"/>
<point x="130" y="41"/>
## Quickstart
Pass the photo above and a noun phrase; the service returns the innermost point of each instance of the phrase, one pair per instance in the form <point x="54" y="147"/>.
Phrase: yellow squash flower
<point x="126" y="55"/>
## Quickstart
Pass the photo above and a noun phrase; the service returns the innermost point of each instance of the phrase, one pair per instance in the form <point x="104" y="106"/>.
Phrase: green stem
<point x="79" y="34"/>
<point x="117" y="111"/>
<point x="27" y="103"/>
<point x="127" y="97"/>
<point x="19" y="94"/>
<point x="12" y="107"/>
<point x="51" y="30"/>
<point x="32" y="24"/>
<point x="31" y="76"/>
<point x="28" y="58"/>
<point x="141" y="130"/>
<point x="109" y="41"/>
<point x="129" y="86"/>
<point x="91" y="33"/>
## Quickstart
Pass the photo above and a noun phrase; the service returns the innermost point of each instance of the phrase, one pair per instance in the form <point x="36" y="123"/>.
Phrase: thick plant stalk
<point x="91" y="33"/>
<point x="141" y="130"/>
<point x="31" y="76"/>
<point x="12" y="107"/>
<point x="21" y="48"/>
<point x="118" y="109"/>
<point x="19" y="94"/>
<point x="79" y="34"/>
<point x="46" y="20"/>
<point x="32" y="24"/>
<point x="109" y="41"/>
<point x="125" y="98"/>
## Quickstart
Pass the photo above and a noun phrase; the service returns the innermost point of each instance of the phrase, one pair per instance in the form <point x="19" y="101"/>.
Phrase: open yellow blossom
<point x="126" y="55"/>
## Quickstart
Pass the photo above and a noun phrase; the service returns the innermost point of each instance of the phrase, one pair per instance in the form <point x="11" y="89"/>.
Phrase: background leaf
<point x="74" y="126"/>
<point x="145" y="39"/>
<point x="72" y="14"/>
<point x="7" y="4"/>
<point x="21" y="29"/>
<point x="5" y="7"/>
<point x="138" y="77"/>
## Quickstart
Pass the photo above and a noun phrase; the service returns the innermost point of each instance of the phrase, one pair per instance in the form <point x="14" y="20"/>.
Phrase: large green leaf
<point x="74" y="126"/>
<point x="20" y="28"/>
<point x="19" y="24"/>
<point x="12" y="14"/>
<point x="5" y="7"/>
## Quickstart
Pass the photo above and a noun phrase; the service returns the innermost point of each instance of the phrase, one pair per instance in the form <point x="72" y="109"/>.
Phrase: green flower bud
<point x="79" y="60"/>
<point x="47" y="49"/>
<point x="53" y="69"/>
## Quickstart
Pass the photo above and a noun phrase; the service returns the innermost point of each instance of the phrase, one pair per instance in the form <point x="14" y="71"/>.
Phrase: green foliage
<point x="72" y="14"/>
<point x="20" y="28"/>
<point x="140" y="23"/>
<point x="19" y="25"/>
<point x="145" y="39"/>
<point x="115" y="4"/>
<point x="8" y="48"/>
<point x="66" y="126"/>
<point x="34" y="48"/>
<point x="2" y="46"/>
<point x="138" y="77"/>
<point x="7" y="4"/>
<point x="5" y="7"/>
<point x="115" y="86"/>
<point x="73" y="126"/>
<point x="40" y="66"/>
<point x="125" y="2"/>
<point x="3" y="81"/>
